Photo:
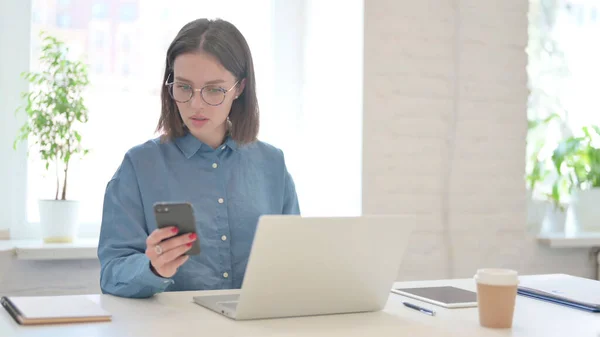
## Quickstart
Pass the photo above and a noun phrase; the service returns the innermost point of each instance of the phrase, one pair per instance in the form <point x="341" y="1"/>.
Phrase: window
<point x="287" y="49"/>
<point x="98" y="67"/>
<point x="128" y="12"/>
<point x="125" y="69"/>
<point x="99" y="40"/>
<point x="127" y="38"/>
<point x="581" y="57"/>
<point x="126" y="44"/>
<point x="63" y="20"/>
<point x="563" y="71"/>
<point x="100" y="10"/>
<point x="36" y="15"/>
<point x="113" y="111"/>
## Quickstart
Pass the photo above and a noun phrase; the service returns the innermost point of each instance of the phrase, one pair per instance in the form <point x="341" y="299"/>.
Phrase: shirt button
<point x="221" y="200"/>
<point x="225" y="274"/>
<point x="223" y="147"/>
<point x="215" y="165"/>
<point x="224" y="238"/>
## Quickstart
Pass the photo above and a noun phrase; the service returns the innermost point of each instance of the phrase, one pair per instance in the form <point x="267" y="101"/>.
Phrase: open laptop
<point x="301" y="266"/>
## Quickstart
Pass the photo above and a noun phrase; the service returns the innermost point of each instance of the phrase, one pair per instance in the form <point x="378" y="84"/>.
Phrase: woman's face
<point x="205" y="118"/>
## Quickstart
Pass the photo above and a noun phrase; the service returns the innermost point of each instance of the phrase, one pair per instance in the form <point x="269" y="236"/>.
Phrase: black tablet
<point x="444" y="296"/>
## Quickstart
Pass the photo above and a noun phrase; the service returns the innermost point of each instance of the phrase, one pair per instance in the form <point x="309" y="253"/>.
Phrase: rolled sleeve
<point x="150" y="279"/>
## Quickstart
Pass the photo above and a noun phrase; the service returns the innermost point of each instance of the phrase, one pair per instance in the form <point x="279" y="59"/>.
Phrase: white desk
<point x="173" y="314"/>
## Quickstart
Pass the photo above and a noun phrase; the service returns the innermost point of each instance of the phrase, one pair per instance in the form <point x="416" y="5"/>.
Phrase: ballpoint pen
<point x="418" y="308"/>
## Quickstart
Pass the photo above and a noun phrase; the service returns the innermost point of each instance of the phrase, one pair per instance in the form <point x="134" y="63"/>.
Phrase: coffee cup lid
<point x="496" y="276"/>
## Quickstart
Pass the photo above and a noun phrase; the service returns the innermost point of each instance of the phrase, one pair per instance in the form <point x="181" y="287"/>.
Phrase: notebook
<point x="572" y="291"/>
<point x="32" y="310"/>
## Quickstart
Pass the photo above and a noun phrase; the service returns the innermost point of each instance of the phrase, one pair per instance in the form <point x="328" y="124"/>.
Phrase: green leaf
<point x="532" y="124"/>
<point x="564" y="149"/>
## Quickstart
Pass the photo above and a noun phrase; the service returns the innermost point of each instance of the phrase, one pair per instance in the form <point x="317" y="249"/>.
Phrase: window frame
<point x="293" y="33"/>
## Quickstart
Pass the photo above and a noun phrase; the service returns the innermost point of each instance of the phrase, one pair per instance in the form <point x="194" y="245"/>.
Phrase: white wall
<point x="18" y="277"/>
<point x="444" y="135"/>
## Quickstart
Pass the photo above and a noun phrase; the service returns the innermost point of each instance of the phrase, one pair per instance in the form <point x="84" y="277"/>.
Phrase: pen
<point x="418" y="308"/>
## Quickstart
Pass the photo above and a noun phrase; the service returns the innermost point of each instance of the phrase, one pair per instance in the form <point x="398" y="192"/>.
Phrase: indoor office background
<point x="381" y="106"/>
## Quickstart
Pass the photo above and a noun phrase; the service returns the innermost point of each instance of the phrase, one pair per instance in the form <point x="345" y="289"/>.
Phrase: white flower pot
<point x="585" y="210"/>
<point x="555" y="219"/>
<point x="536" y="210"/>
<point x="59" y="220"/>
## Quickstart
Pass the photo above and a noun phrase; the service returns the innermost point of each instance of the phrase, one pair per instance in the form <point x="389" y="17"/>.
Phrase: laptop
<point x="304" y="266"/>
<point x="572" y="291"/>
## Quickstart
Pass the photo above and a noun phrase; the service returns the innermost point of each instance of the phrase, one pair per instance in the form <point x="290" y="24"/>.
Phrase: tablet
<point x="446" y="296"/>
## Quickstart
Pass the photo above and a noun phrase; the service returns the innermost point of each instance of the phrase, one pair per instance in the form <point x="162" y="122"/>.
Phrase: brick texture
<point x="445" y="93"/>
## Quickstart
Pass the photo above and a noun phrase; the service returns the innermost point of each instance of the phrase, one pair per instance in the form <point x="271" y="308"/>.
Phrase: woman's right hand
<point x="168" y="257"/>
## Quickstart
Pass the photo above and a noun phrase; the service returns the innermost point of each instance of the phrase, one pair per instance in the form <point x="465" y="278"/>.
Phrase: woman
<point x="208" y="155"/>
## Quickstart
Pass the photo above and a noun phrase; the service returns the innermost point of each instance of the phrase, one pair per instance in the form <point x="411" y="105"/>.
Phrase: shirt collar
<point x="189" y="145"/>
<point x="229" y="142"/>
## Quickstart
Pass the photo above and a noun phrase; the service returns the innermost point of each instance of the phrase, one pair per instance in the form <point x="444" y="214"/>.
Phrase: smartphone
<point x="180" y="215"/>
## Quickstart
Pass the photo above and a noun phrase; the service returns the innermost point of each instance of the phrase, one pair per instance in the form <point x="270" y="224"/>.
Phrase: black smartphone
<point x="180" y="215"/>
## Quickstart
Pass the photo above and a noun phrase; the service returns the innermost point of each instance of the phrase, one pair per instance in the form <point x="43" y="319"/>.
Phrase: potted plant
<point x="536" y="174"/>
<point x="540" y="209"/>
<point x="578" y="160"/>
<point x="55" y="108"/>
<point x="555" y="217"/>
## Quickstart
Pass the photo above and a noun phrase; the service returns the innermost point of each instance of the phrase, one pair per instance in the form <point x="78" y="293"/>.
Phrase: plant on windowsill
<point x="536" y="174"/>
<point x="555" y="215"/>
<point x="577" y="159"/>
<point x="541" y="214"/>
<point x="536" y="167"/>
<point x="55" y="107"/>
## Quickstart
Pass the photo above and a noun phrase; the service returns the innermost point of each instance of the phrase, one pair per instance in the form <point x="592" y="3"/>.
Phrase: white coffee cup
<point x="497" y="276"/>
<point x="496" y="296"/>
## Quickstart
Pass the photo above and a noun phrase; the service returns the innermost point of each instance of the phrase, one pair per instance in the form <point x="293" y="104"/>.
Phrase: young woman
<point x="208" y="155"/>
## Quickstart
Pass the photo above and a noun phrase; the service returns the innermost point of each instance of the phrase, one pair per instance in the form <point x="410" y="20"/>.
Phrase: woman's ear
<point x="240" y="88"/>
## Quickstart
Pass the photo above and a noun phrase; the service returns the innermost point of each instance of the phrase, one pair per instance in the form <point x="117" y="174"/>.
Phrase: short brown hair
<point x="224" y="41"/>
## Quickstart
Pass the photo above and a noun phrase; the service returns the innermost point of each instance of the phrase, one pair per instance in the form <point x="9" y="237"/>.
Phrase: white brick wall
<point x="19" y="277"/>
<point x="430" y="65"/>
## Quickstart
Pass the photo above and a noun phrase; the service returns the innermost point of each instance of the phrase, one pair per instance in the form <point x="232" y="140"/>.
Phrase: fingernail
<point x="174" y="229"/>
<point x="189" y="244"/>
<point x="192" y="236"/>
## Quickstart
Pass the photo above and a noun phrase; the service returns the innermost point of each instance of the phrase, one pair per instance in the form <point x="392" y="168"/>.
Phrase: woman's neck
<point x="214" y="139"/>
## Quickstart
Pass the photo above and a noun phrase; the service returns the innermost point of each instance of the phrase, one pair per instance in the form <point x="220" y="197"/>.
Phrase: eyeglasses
<point x="211" y="94"/>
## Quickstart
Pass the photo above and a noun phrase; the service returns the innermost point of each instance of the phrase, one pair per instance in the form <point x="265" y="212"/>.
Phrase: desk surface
<point x="174" y="314"/>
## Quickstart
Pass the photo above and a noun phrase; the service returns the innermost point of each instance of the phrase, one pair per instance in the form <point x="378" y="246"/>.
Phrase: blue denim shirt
<point x="252" y="180"/>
